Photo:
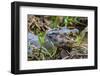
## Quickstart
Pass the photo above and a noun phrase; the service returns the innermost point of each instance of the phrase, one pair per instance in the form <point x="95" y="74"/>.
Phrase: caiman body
<point x="60" y="37"/>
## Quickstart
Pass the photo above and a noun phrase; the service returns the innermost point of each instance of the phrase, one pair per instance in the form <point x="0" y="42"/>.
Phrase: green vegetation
<point x="48" y="50"/>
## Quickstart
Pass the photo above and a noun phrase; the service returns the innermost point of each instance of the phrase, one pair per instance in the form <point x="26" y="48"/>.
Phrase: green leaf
<point x="41" y="38"/>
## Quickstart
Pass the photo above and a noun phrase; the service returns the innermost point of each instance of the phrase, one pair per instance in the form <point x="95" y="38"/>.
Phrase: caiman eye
<point x="49" y="36"/>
